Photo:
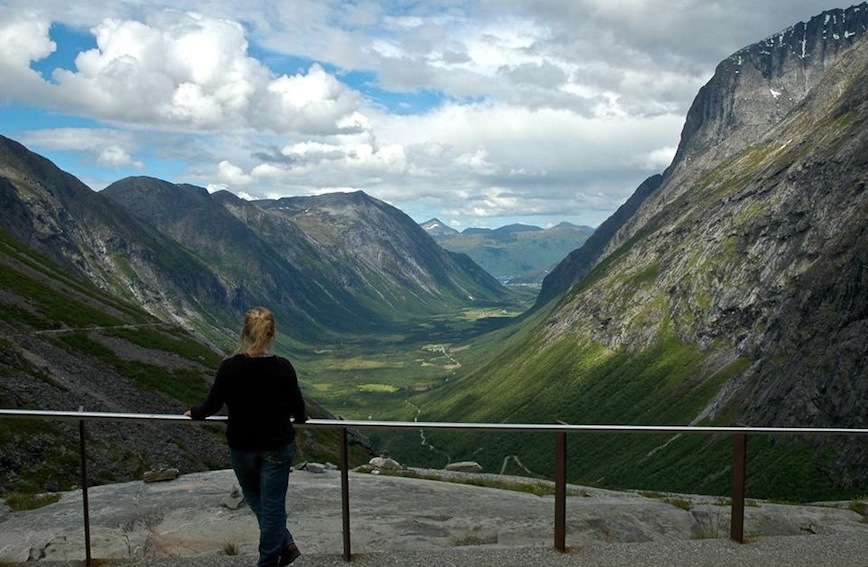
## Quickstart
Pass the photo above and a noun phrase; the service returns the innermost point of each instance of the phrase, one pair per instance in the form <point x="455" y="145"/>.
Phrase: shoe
<point x="289" y="554"/>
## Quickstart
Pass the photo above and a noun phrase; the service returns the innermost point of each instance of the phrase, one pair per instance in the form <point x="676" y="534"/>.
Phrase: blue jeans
<point x="264" y="479"/>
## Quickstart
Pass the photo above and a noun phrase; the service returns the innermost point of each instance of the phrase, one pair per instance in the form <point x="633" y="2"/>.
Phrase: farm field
<point x="371" y="377"/>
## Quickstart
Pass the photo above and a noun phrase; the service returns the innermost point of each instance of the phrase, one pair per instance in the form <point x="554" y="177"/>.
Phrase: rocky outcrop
<point x="184" y="518"/>
<point x="753" y="92"/>
<point x="756" y="87"/>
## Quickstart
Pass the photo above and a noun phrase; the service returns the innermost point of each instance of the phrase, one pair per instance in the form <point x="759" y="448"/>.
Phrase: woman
<point x="261" y="392"/>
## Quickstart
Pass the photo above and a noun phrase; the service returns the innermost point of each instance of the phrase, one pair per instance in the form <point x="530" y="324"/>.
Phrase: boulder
<point x="858" y="506"/>
<point x="465" y="466"/>
<point x="234" y="499"/>
<point x="161" y="474"/>
<point x="316" y="468"/>
<point x="385" y="463"/>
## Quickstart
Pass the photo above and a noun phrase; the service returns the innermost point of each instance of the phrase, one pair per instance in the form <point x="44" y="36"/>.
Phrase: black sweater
<point x="261" y="394"/>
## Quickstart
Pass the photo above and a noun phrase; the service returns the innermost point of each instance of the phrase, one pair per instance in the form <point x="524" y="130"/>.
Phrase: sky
<point x="478" y="113"/>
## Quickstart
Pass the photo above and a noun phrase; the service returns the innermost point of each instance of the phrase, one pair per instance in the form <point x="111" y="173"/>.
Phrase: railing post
<point x="345" y="494"/>
<point x="561" y="491"/>
<point x="88" y="559"/>
<point x="739" y="466"/>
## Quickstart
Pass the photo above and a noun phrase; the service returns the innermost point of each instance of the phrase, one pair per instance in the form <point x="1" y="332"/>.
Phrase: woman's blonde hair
<point x="258" y="330"/>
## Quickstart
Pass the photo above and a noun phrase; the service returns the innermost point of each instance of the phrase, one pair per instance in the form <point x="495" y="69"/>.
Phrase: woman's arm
<point x="216" y="397"/>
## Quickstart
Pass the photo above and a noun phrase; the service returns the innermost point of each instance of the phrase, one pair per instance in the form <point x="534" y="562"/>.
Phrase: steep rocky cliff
<point x="751" y="92"/>
<point x="730" y="289"/>
<point x="753" y="247"/>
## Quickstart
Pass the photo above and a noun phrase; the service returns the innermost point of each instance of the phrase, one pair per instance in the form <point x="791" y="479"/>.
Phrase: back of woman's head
<point x="258" y="330"/>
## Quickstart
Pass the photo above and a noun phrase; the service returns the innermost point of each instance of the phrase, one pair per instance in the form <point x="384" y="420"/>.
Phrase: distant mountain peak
<point x="516" y="228"/>
<point x="437" y="228"/>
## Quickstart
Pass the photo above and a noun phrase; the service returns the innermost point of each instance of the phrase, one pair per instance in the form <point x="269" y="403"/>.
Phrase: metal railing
<point x="560" y="431"/>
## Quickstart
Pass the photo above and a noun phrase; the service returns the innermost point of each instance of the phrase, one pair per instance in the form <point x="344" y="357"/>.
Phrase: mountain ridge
<point x="517" y="254"/>
<point x="755" y="88"/>
<point x="124" y="300"/>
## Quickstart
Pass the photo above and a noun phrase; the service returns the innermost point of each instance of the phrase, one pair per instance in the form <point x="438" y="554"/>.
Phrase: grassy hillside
<point x="584" y="383"/>
<point x="66" y="344"/>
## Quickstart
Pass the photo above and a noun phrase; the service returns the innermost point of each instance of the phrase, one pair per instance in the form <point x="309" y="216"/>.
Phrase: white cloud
<point x="315" y="103"/>
<point x="475" y="162"/>
<point x="183" y="71"/>
<point x="266" y="172"/>
<point x="109" y="148"/>
<point x="552" y="108"/>
<point x="232" y="175"/>
<point x="176" y="71"/>
<point x="114" y="157"/>
<point x="481" y="161"/>
<point x="23" y="40"/>
<point x="657" y="159"/>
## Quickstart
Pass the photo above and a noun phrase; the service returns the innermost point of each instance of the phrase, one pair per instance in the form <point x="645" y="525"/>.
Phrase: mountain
<point x="375" y="242"/>
<point x="65" y="344"/>
<point x="730" y="289"/>
<point x="193" y="258"/>
<point x="332" y="263"/>
<point x="60" y="217"/>
<point x="437" y="228"/>
<point x="516" y="254"/>
<point x="125" y="300"/>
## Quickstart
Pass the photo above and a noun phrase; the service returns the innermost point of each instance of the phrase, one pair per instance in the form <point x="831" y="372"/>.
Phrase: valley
<point x="730" y="288"/>
<point x="373" y="376"/>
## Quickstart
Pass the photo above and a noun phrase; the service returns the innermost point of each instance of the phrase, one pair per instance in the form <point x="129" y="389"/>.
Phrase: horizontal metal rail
<point x="560" y="429"/>
<point x="372" y="424"/>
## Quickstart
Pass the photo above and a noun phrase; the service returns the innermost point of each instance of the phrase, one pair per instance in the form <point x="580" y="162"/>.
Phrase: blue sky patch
<point x="70" y="42"/>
